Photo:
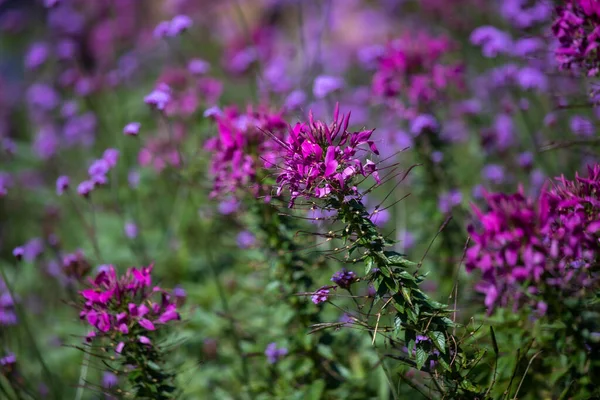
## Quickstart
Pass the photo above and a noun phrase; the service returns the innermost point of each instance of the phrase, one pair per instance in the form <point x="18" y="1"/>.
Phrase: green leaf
<point x="316" y="390"/>
<point x="398" y="259"/>
<point x="406" y="292"/>
<point x="369" y="265"/>
<point x="444" y="363"/>
<point x="439" y="340"/>
<point x="468" y="386"/>
<point x="494" y="342"/>
<point x="412" y="316"/>
<point x="397" y="324"/>
<point x="421" y="357"/>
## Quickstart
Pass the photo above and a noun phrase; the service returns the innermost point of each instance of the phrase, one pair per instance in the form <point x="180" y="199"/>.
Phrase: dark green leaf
<point x="439" y="340"/>
<point x="421" y="357"/>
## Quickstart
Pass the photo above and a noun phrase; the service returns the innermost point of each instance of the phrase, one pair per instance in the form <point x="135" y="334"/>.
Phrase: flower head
<point x="577" y="28"/>
<point x="274" y="353"/>
<point x="321" y="159"/>
<point x="344" y="278"/>
<point x="125" y="307"/>
<point x="541" y="249"/>
<point x="321" y="295"/>
<point x="244" y="146"/>
<point x="62" y="184"/>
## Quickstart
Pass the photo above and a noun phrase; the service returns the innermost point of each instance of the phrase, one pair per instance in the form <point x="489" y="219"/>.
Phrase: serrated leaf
<point x="386" y="272"/>
<point x="368" y="265"/>
<point x="421" y="357"/>
<point x="439" y="340"/>
<point x="444" y="363"/>
<point x="412" y="316"/>
<point x="468" y="386"/>
<point x="398" y="259"/>
<point x="397" y="324"/>
<point x="406" y="292"/>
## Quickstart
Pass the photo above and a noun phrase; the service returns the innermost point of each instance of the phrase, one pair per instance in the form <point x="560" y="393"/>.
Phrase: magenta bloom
<point x="125" y="307"/>
<point x="244" y="146"/>
<point x="321" y="159"/>
<point x="539" y="249"/>
<point x="414" y="67"/>
<point x="577" y="28"/>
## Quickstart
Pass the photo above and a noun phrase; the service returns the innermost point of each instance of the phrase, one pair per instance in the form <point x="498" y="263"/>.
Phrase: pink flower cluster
<point x="124" y="307"/>
<point x="413" y="66"/>
<point x="577" y="28"/>
<point x="526" y="249"/>
<point x="320" y="159"/>
<point x="244" y="142"/>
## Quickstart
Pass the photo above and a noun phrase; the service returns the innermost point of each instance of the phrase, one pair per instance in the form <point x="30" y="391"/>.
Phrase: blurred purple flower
<point x="36" y="55"/>
<point x="493" y="173"/>
<point x="532" y="78"/>
<point x="198" y="66"/>
<point x="423" y="122"/>
<point x="228" y="206"/>
<point x="62" y="184"/>
<point x="109" y="380"/>
<point x="325" y="85"/>
<point x="275" y="354"/>
<point x="85" y="188"/>
<point x="492" y="41"/>
<point x="449" y="200"/>
<point x="582" y="126"/>
<point x="131" y="230"/>
<point x="132" y="129"/>
<point x="295" y="100"/>
<point x="245" y="239"/>
<point x="42" y="96"/>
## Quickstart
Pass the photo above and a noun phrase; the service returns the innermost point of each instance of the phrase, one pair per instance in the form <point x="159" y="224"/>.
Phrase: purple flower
<point x="85" y="188"/>
<point x="109" y="380"/>
<point x="526" y="160"/>
<point x="98" y="167"/>
<point x="321" y="295"/>
<point x="245" y="240"/>
<point x="111" y="156"/>
<point x="162" y="29"/>
<point x="159" y="97"/>
<point x="325" y="85"/>
<point x="132" y="129"/>
<point x="275" y="354"/>
<point x="36" y="55"/>
<point x="18" y="253"/>
<point x="493" y="173"/>
<point x="380" y="217"/>
<point x="197" y="66"/>
<point x="133" y="178"/>
<point x="62" y="184"/>
<point x="228" y="206"/>
<point x="343" y="279"/>
<point x="42" y="96"/>
<point x="582" y="126"/>
<point x="131" y="230"/>
<point x="532" y="78"/>
<point x="422" y="123"/>
<point x="320" y="159"/>
<point x="448" y="201"/>
<point x="178" y="25"/>
<point x="295" y="100"/>
<point x="492" y="41"/>
<point x="242" y="149"/>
